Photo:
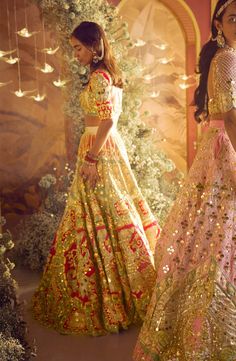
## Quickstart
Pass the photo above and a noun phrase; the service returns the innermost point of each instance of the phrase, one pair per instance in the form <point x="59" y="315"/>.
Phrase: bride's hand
<point x="90" y="175"/>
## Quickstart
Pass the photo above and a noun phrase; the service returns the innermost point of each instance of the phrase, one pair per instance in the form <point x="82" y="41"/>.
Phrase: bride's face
<point x="83" y="54"/>
<point x="228" y="24"/>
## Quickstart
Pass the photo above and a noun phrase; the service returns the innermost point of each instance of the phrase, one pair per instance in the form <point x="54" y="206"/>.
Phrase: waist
<point x="93" y="120"/>
<point x="217" y="123"/>
<point x="93" y="130"/>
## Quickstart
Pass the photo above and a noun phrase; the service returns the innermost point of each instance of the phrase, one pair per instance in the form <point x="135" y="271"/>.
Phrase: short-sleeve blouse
<point x="96" y="99"/>
<point x="223" y="82"/>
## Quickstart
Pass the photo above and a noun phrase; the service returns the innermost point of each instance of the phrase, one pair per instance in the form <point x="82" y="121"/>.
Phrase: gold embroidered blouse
<point x="100" y="98"/>
<point x="222" y="82"/>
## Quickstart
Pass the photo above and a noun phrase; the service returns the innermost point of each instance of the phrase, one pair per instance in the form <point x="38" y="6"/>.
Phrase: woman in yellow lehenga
<point x="99" y="274"/>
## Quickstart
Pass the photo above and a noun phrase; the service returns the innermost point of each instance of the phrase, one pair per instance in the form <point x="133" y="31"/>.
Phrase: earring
<point x="220" y="39"/>
<point x="95" y="58"/>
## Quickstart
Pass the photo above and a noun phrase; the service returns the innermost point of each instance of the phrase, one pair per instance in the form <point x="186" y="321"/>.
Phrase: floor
<point x="52" y="346"/>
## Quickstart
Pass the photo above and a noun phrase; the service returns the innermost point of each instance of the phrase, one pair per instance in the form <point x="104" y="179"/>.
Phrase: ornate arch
<point x="191" y="32"/>
<point x="213" y="4"/>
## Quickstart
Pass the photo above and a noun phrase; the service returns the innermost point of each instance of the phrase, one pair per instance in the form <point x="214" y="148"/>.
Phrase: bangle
<point x="89" y="164"/>
<point x="92" y="156"/>
<point x="91" y="159"/>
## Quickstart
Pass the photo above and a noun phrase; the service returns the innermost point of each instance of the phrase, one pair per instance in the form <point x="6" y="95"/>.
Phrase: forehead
<point x="231" y="9"/>
<point x="75" y="42"/>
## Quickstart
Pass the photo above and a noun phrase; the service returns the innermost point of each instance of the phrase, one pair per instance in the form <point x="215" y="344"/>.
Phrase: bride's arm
<point x="101" y="136"/>
<point x="230" y="126"/>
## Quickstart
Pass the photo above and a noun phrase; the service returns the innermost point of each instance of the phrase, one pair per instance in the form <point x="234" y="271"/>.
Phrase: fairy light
<point x="50" y="51"/>
<point x="9" y="60"/>
<point x="139" y="43"/>
<point x="165" y="61"/>
<point x="6" y="83"/>
<point x="162" y="46"/>
<point x="186" y="77"/>
<point x="25" y="33"/>
<point x="38" y="97"/>
<point x="184" y="86"/>
<point x="155" y="94"/>
<point x="188" y="81"/>
<point x="59" y="83"/>
<point x="47" y="67"/>
<point x="8" y="52"/>
<point x="149" y="77"/>
<point x="19" y="93"/>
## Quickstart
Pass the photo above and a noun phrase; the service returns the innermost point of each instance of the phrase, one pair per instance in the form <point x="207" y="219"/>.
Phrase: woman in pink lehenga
<point x="192" y="314"/>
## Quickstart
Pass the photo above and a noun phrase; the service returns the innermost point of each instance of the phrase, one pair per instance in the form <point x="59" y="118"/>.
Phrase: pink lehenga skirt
<point x="99" y="274"/>
<point x="192" y="313"/>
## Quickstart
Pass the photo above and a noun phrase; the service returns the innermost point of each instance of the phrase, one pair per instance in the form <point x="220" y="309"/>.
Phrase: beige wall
<point x="153" y="22"/>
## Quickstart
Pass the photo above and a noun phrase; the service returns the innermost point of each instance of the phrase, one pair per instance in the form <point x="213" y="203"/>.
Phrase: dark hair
<point x="90" y="35"/>
<point x="206" y="55"/>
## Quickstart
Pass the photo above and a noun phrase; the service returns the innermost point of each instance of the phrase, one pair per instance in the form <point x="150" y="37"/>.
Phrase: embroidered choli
<point x="222" y="82"/>
<point x="100" y="98"/>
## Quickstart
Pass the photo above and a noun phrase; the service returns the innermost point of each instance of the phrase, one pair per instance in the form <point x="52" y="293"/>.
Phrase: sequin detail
<point x="223" y="70"/>
<point x="101" y="98"/>
<point x="100" y="275"/>
<point x="192" y="313"/>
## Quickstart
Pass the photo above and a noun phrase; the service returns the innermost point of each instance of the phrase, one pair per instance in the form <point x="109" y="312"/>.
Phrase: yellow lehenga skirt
<point x="99" y="274"/>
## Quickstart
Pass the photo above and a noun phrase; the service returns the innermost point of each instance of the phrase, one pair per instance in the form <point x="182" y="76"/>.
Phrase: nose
<point x="76" y="55"/>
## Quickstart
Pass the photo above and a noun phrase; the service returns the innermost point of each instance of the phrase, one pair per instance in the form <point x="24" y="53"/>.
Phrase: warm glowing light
<point x="139" y="43"/>
<point x="155" y="94"/>
<point x="4" y="84"/>
<point x="162" y="46"/>
<point x="149" y="76"/>
<point x="25" y="33"/>
<point x="38" y="97"/>
<point x="47" y="68"/>
<point x="60" y="83"/>
<point x="165" y="61"/>
<point x="11" y="60"/>
<point x="184" y="86"/>
<point x="50" y="51"/>
<point x="19" y="93"/>
<point x="3" y="53"/>
<point x="186" y="77"/>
